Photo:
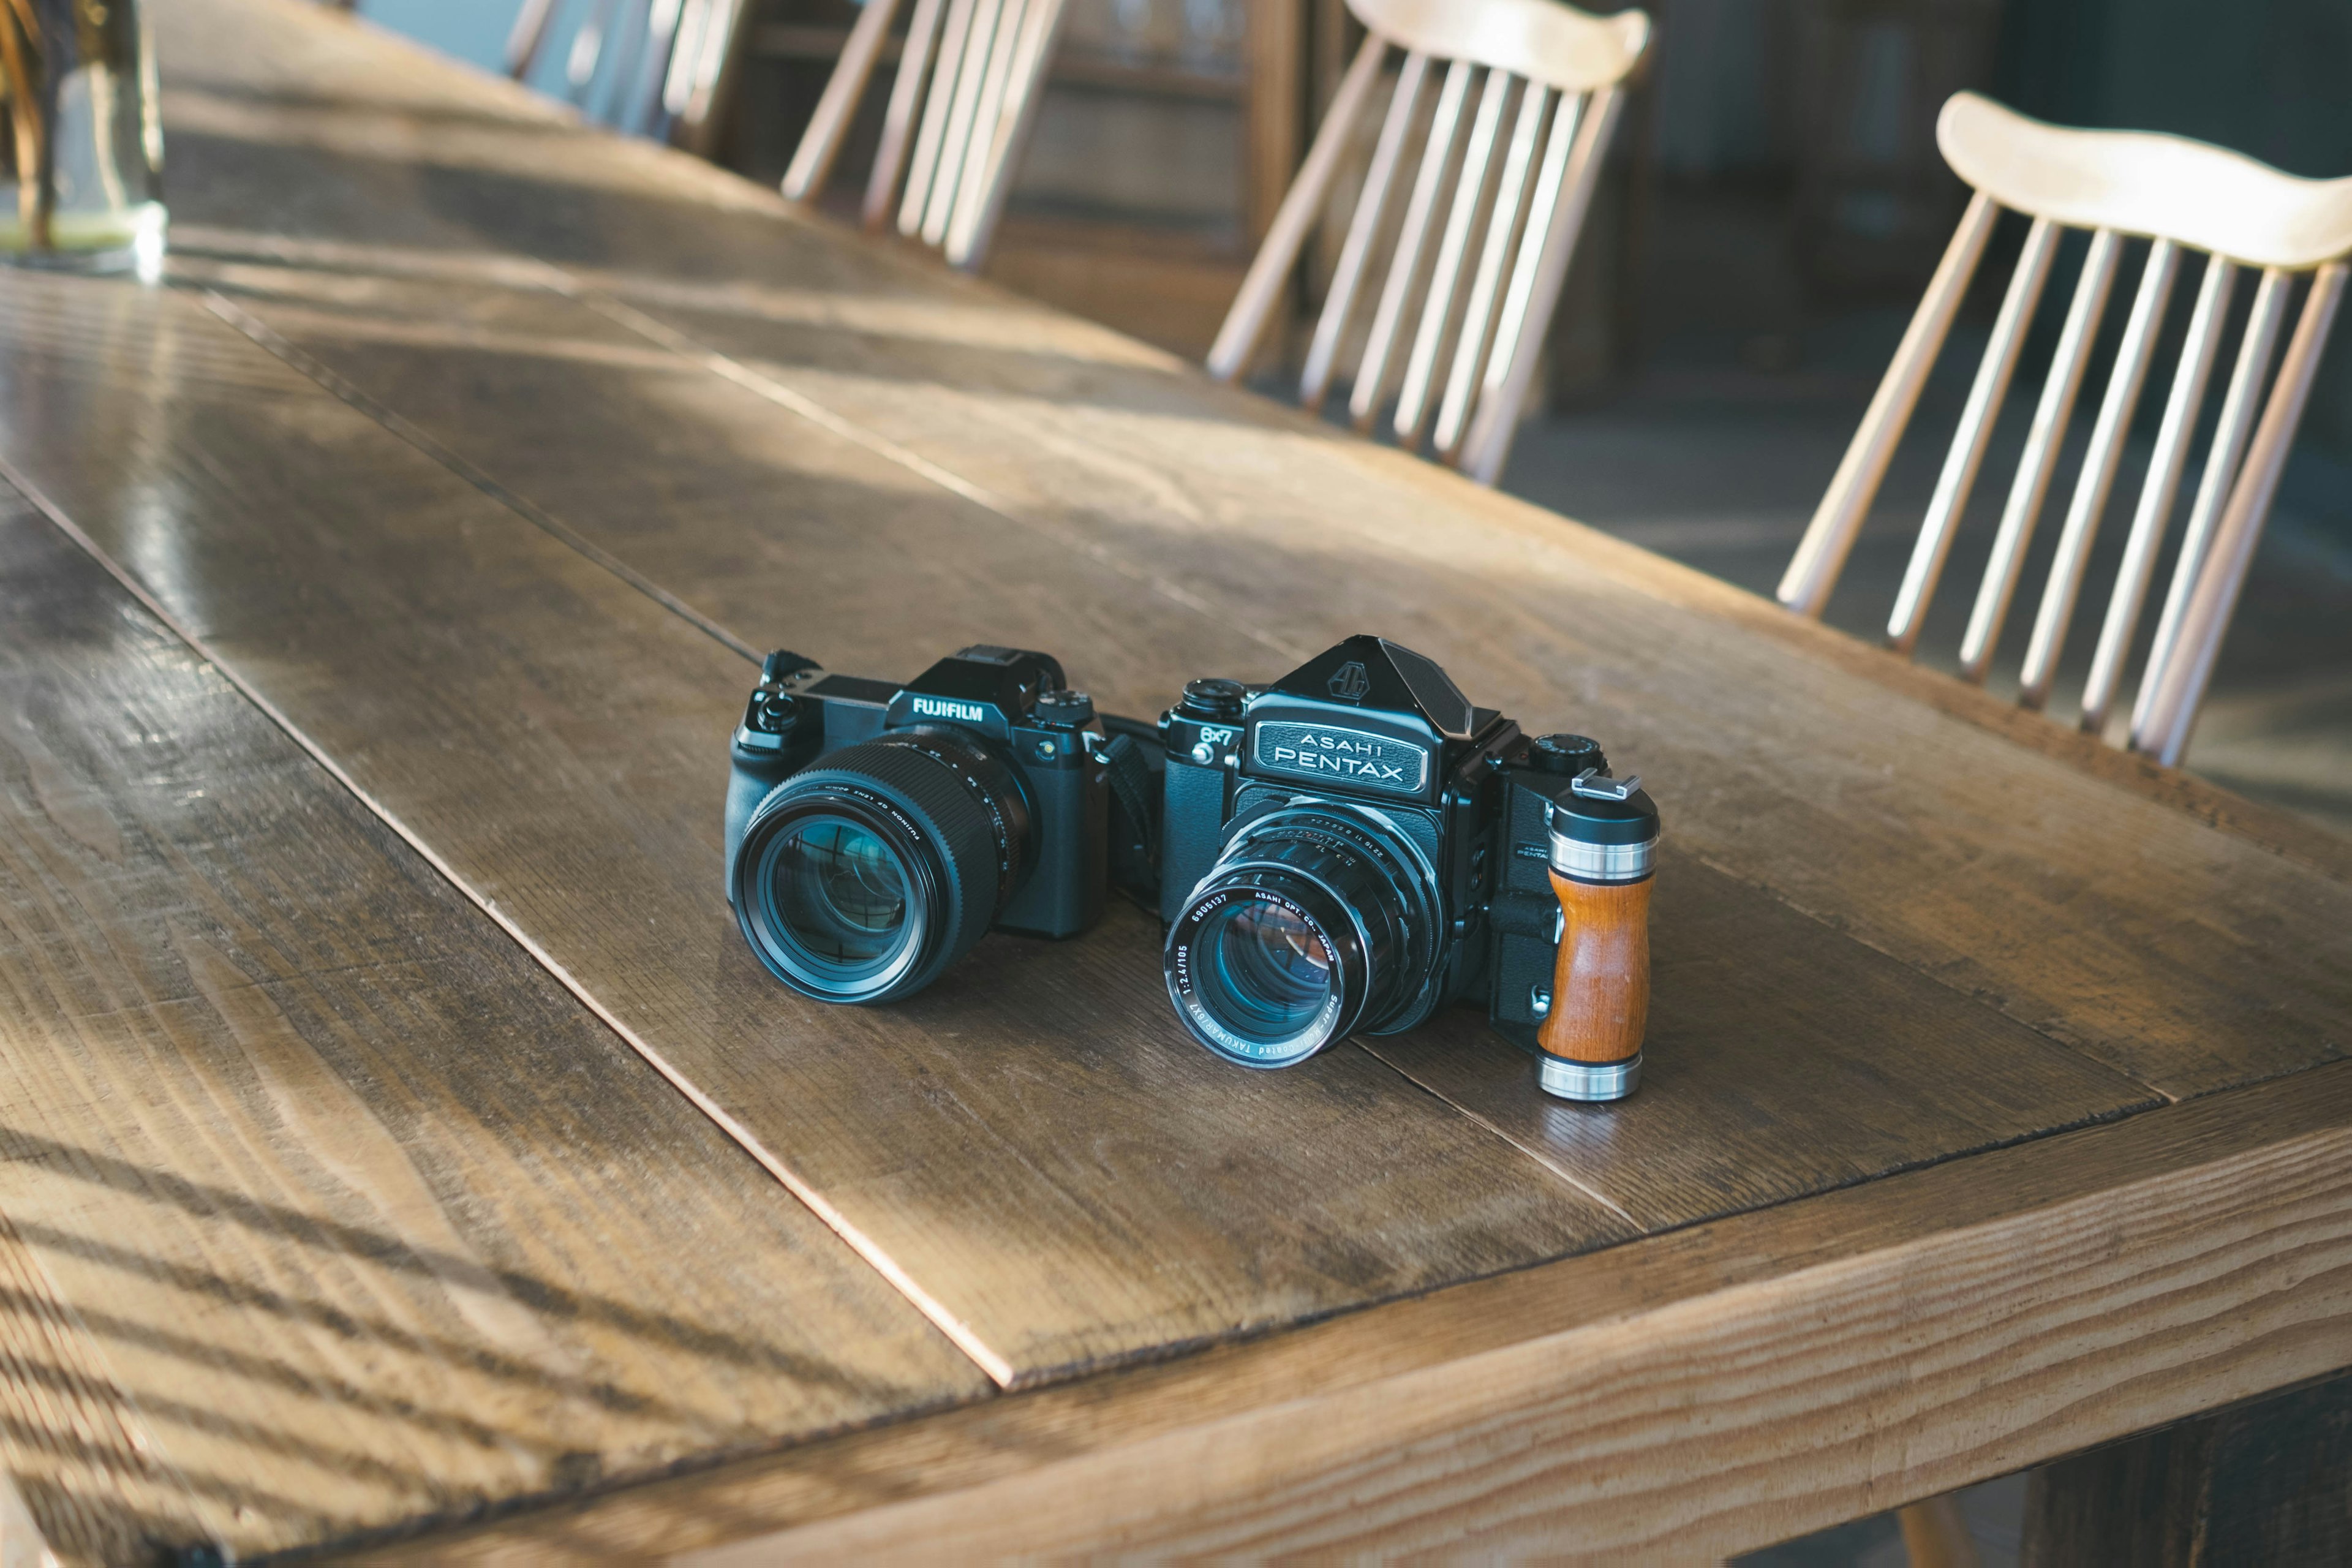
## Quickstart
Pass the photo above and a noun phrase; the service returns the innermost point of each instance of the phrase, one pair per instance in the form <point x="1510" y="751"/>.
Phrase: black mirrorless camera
<point x="1355" y="845"/>
<point x="874" y="831"/>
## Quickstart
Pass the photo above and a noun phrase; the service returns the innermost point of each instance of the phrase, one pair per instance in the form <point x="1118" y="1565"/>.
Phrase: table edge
<point x="904" y="1484"/>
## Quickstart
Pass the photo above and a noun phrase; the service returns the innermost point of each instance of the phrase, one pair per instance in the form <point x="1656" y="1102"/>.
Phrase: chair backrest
<point x="1549" y="85"/>
<point x="959" y="111"/>
<point x="2180" y="195"/>
<point x="652" y="68"/>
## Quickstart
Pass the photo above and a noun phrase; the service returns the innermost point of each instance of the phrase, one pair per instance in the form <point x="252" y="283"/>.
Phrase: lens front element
<point x="860" y="881"/>
<point x="1265" y="982"/>
<point x="840" y="891"/>
<point x="1312" y="924"/>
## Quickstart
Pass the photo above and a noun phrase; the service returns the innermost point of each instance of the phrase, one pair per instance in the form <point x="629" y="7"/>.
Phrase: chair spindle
<point x="829" y="125"/>
<point x="1581" y="133"/>
<point x="2097" y="480"/>
<point x="1396" y="292"/>
<point x="974" y="226"/>
<point x="1829" y="537"/>
<point x="931" y="136"/>
<point x="897" y="116"/>
<point x="1441" y="305"/>
<point x="2239" y="407"/>
<point x="2157" y="492"/>
<point x="963" y="107"/>
<point x="955" y="194"/>
<point x="2031" y="486"/>
<point x="1269" y="270"/>
<point x="1363" y="232"/>
<point x="1477" y="333"/>
<point x="1966" y="458"/>
<point x="2180" y="684"/>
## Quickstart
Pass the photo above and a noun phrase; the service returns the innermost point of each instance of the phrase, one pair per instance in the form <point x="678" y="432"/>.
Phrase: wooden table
<point x="400" y="1137"/>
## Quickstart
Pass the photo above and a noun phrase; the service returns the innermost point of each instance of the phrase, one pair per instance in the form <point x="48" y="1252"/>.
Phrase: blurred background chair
<point x="650" y="67"/>
<point x="1474" y="290"/>
<point x="2184" y="196"/>
<point x="961" y="108"/>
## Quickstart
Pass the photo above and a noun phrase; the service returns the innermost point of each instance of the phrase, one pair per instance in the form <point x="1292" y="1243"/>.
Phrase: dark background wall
<point x="2271" y="78"/>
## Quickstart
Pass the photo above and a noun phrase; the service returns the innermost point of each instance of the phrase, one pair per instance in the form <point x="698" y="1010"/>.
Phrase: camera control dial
<point x="1064" y="709"/>
<point x="1213" y="698"/>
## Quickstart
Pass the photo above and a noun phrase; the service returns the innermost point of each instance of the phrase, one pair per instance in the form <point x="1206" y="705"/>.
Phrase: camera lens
<point x="1268" y="967"/>
<point x="1316" y="922"/>
<point x="839" y="891"/>
<point x="860" y="881"/>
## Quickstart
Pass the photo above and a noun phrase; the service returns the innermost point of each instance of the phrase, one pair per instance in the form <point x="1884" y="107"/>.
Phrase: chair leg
<point x="1935" y="1535"/>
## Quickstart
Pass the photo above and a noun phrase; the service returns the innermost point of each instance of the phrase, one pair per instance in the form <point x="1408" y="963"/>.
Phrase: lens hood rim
<point x="954" y="811"/>
<point x="921" y="954"/>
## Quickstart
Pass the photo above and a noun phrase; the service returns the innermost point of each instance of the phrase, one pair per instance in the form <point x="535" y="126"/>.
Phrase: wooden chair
<point x="651" y="67"/>
<point x="2182" y="195"/>
<point x="969" y="75"/>
<point x="1557" y="77"/>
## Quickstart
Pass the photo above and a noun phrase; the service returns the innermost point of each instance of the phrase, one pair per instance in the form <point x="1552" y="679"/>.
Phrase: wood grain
<point x="527" y="671"/>
<point x="1031" y="1148"/>
<point x="1682" y="1398"/>
<point x="327" y="1210"/>
<point x="2268" y="1481"/>
<point x="2079" y="913"/>
<point x="752" y="542"/>
<point x="1600" y="982"/>
<point x="1777" y="1064"/>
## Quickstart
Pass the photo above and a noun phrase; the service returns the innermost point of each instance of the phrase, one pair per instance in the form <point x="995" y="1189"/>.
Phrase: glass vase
<point x="81" y="148"/>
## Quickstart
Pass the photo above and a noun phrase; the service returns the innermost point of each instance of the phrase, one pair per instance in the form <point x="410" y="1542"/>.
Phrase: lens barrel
<point x="862" y="879"/>
<point x="1316" y="922"/>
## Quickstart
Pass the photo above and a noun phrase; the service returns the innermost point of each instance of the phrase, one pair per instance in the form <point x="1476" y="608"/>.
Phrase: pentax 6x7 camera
<point x="1355" y="846"/>
<point x="874" y="831"/>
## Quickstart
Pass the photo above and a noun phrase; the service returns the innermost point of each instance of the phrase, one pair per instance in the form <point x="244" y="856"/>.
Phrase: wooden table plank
<point x="1680" y="1399"/>
<point x="326" y="1210"/>
<point x="1032" y="1147"/>
<point x="1802" y="1060"/>
<point x="2018" y="879"/>
<point x="549" y="734"/>
<point x="2077" y="908"/>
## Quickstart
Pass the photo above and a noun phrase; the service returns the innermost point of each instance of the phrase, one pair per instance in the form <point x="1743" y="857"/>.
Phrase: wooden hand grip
<point x="1601" y="983"/>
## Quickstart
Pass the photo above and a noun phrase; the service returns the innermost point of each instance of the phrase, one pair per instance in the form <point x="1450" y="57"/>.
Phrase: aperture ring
<point x="1387" y="877"/>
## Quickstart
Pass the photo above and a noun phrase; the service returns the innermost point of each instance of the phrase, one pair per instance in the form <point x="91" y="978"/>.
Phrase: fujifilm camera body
<point x="874" y="831"/>
<point x="1355" y="846"/>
